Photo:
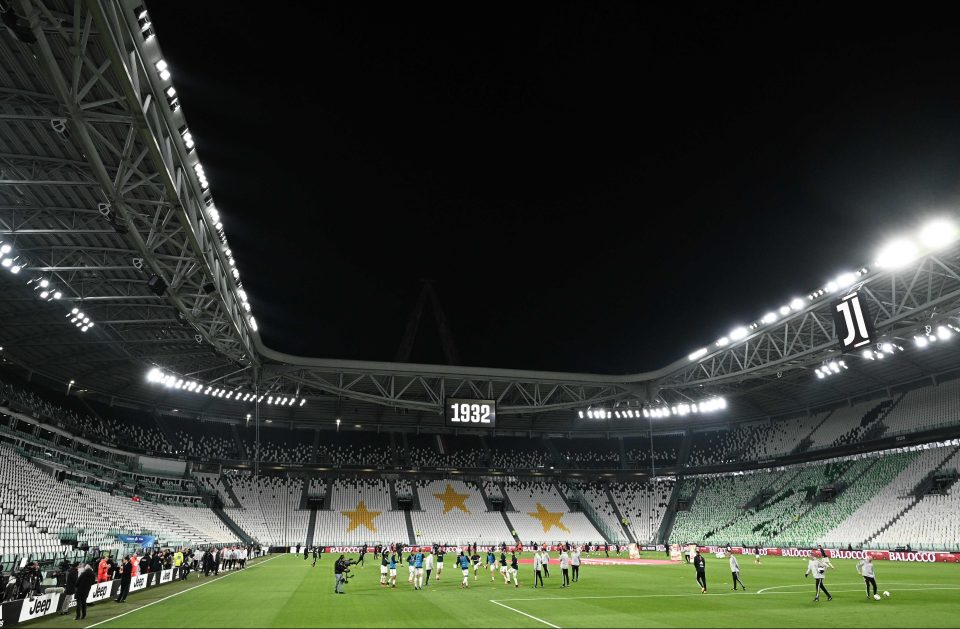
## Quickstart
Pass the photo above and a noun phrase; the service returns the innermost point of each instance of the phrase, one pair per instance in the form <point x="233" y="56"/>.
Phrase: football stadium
<point x="789" y="455"/>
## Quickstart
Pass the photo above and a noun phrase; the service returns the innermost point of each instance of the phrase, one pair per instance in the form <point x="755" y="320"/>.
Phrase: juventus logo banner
<point x="852" y="322"/>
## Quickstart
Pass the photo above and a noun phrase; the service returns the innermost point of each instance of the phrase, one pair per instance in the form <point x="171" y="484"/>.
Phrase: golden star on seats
<point x="451" y="499"/>
<point x="549" y="519"/>
<point x="360" y="515"/>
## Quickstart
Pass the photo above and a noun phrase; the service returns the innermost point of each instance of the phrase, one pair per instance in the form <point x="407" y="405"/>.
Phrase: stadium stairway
<point x="509" y="524"/>
<point x="670" y="515"/>
<point x="813" y="503"/>
<point x="394" y="503"/>
<point x="684" y="454"/>
<point x="622" y="449"/>
<point x="411" y="534"/>
<point x="804" y="444"/>
<point x="226" y="484"/>
<point x="233" y="526"/>
<point x="164" y="429"/>
<point x="328" y="495"/>
<point x="305" y="495"/>
<point x="555" y="458"/>
<point x="613" y="503"/>
<point x="608" y="534"/>
<point x="315" y="452"/>
<point x="563" y="495"/>
<point x="311" y="525"/>
<point x="918" y="495"/>
<point x="486" y="499"/>
<point x="486" y="448"/>
<point x="394" y="450"/>
<point x="875" y="418"/>
<point x="241" y="448"/>
<point x="507" y="505"/>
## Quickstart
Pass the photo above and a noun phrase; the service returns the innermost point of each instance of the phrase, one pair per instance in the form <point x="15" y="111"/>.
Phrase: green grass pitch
<point x="284" y="591"/>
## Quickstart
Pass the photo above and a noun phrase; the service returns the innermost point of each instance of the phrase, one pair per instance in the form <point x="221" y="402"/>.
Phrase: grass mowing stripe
<point x="160" y="600"/>
<point x="526" y="614"/>
<point x="289" y="593"/>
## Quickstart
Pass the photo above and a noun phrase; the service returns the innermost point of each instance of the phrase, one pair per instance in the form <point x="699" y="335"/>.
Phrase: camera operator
<point x="70" y="589"/>
<point x="28" y="580"/>
<point x="341" y="570"/>
<point x="54" y="580"/>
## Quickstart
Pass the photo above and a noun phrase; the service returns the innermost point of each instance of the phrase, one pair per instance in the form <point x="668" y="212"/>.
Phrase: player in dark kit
<point x="439" y="553"/>
<point x="363" y="551"/>
<point x="701" y="566"/>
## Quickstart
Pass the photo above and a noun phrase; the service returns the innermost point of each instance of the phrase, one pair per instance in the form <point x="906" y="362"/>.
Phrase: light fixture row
<point x="172" y="381"/>
<point x="710" y="405"/>
<point x="186" y="136"/>
<point x="934" y="235"/>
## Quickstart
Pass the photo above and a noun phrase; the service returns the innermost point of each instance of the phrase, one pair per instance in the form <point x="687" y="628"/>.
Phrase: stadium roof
<point x="108" y="214"/>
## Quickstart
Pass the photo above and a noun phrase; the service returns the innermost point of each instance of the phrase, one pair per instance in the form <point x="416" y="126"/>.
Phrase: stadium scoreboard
<point x="468" y="412"/>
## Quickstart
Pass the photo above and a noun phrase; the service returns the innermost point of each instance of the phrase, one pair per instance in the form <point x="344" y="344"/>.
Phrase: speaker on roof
<point x="156" y="285"/>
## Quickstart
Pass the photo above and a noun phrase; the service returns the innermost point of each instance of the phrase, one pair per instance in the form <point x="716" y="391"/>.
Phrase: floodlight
<point x="897" y="253"/>
<point x="796" y="303"/>
<point x="723" y="341"/>
<point x="700" y="353"/>
<point x="834" y="367"/>
<point x="7" y="263"/>
<point x="44" y="294"/>
<point x="15" y="269"/>
<point x="868" y="354"/>
<point x="830" y="287"/>
<point x="57" y="295"/>
<point x="938" y="233"/>
<point x="770" y="317"/>
<point x="304" y="401"/>
<point x="580" y="413"/>
<point x="738" y="333"/>
<point x="920" y="341"/>
<point x="784" y="311"/>
<point x="943" y="333"/>
<point x="44" y="283"/>
<point x="154" y="375"/>
<point x="845" y="280"/>
<point x="5" y="248"/>
<point x="75" y="311"/>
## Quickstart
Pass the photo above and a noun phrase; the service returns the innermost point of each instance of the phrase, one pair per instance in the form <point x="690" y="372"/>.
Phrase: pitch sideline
<point x="160" y="600"/>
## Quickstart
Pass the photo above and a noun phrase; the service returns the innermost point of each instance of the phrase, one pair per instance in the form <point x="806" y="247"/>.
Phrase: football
<point x="887" y="594"/>
<point x="876" y="597"/>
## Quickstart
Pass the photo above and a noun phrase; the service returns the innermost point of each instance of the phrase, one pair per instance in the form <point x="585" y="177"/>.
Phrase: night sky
<point x="593" y="187"/>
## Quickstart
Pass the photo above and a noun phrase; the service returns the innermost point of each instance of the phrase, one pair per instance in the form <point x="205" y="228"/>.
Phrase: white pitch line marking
<point x="928" y="586"/>
<point x="549" y="624"/>
<point x="259" y="563"/>
<point x="932" y="586"/>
